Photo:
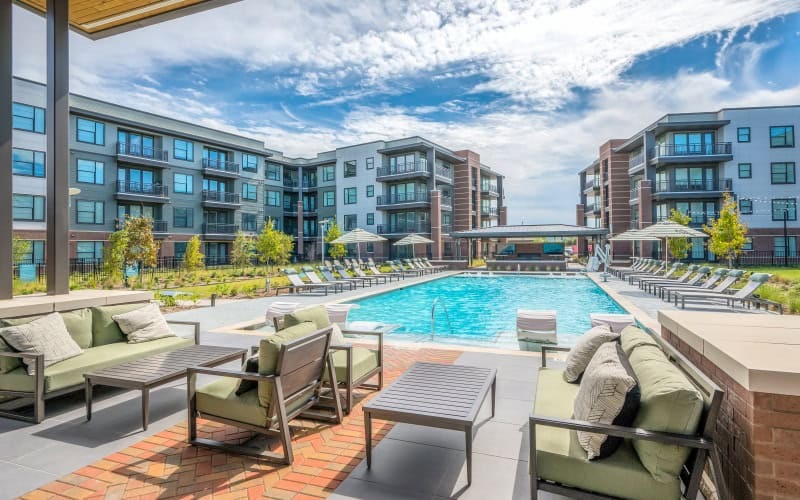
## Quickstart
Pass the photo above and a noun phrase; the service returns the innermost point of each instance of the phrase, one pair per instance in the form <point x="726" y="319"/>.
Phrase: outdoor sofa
<point x="103" y="344"/>
<point x="662" y="454"/>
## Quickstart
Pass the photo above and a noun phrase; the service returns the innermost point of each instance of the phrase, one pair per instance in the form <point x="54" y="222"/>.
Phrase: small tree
<point x="727" y="232"/>
<point x="273" y="246"/>
<point x="114" y="255"/>
<point x="132" y="244"/>
<point x="19" y="248"/>
<point x="335" y="250"/>
<point x="242" y="250"/>
<point x="679" y="247"/>
<point x="193" y="258"/>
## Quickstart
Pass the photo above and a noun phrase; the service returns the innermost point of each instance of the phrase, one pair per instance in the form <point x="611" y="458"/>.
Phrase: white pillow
<point x="47" y="335"/>
<point x="582" y="352"/>
<point x="337" y="337"/>
<point x="143" y="324"/>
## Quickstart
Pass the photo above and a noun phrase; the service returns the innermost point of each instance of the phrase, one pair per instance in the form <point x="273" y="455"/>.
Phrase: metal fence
<point x="768" y="258"/>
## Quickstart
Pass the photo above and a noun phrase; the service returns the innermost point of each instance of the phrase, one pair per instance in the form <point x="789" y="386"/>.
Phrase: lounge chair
<point x="327" y="273"/>
<point x="665" y="291"/>
<point x="345" y="275"/>
<point x="755" y="281"/>
<point x="415" y="265"/>
<point x="292" y="366"/>
<point x="535" y="327"/>
<point x="297" y="285"/>
<point x="405" y="267"/>
<point x="616" y="322"/>
<point x="338" y="286"/>
<point x="644" y="283"/>
<point x="360" y="274"/>
<point x="673" y="268"/>
<point x="648" y="266"/>
<point x="637" y="263"/>
<point x="730" y="278"/>
<point x="659" y="270"/>
<point x="398" y="269"/>
<point x="392" y="276"/>
<point x="426" y="262"/>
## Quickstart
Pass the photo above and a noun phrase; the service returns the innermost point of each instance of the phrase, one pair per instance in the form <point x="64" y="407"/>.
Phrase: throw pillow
<point x="633" y="337"/>
<point x="250" y="366"/>
<point x="609" y="394"/>
<point x="337" y="337"/>
<point x="268" y="352"/>
<point x="104" y="329"/>
<point x="581" y="354"/>
<point x="316" y="314"/>
<point x="143" y="325"/>
<point x="47" y="335"/>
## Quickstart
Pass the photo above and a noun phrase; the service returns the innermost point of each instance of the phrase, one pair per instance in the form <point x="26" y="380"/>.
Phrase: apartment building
<point x="687" y="162"/>
<point x="192" y="180"/>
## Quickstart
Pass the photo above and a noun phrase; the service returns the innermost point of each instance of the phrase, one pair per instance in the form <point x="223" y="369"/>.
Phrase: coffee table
<point x="434" y="395"/>
<point x="158" y="369"/>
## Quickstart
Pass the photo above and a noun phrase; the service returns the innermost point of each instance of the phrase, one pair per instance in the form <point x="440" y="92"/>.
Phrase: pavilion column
<point x="57" y="158"/>
<point x="6" y="174"/>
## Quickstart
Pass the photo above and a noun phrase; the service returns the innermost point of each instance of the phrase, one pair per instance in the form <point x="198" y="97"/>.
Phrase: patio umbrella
<point x="669" y="229"/>
<point x="358" y="236"/>
<point x="413" y="239"/>
<point x="633" y="235"/>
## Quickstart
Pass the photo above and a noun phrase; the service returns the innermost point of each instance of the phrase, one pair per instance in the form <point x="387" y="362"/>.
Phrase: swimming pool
<point x="482" y="308"/>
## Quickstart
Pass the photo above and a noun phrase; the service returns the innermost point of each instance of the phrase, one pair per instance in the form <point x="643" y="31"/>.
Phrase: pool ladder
<point x="433" y="317"/>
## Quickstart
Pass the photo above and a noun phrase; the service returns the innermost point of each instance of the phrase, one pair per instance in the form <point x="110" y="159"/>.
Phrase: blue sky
<point x="534" y="87"/>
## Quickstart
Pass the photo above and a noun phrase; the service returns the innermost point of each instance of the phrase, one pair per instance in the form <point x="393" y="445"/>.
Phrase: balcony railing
<point x="696" y="219"/>
<point x="159" y="226"/>
<point x="309" y="184"/>
<point x="146" y="189"/>
<point x="219" y="228"/>
<point x="221" y="197"/>
<point x="720" y="148"/>
<point x="140" y="151"/>
<point x="447" y="201"/>
<point x="489" y="211"/>
<point x="447" y="228"/>
<point x="447" y="173"/>
<point x="412" y="227"/>
<point x="221" y="165"/>
<point x="700" y="185"/>
<point x="489" y="188"/>
<point x="634" y="193"/>
<point x="636" y="160"/>
<point x="634" y="224"/>
<point x="400" y="198"/>
<point x="408" y="168"/>
<point x="588" y="207"/>
<point x="290" y="183"/>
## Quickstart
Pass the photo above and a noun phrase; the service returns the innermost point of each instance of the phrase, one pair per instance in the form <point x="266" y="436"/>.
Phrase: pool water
<point x="482" y="308"/>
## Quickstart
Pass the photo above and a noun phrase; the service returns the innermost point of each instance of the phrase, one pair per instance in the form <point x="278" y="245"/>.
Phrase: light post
<point x="785" y="237"/>
<point x="322" y="225"/>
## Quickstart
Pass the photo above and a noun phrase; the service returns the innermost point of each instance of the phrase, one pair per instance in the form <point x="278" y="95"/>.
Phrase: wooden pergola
<point x="94" y="19"/>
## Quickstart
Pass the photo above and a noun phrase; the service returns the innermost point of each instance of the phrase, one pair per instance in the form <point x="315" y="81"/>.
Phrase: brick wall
<point x="757" y="435"/>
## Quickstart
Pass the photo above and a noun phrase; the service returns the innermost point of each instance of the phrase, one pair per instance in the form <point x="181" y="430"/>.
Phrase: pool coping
<point x="642" y="317"/>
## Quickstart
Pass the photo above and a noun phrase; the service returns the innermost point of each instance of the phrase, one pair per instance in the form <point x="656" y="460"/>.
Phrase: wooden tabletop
<point x="435" y="392"/>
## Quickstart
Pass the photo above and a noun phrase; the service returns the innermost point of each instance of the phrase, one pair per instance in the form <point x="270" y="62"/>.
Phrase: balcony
<point x="447" y="228"/>
<point x="691" y="153"/>
<point x="589" y="207"/>
<point x="220" y="168"/>
<point x="489" y="211"/>
<point x="692" y="188"/>
<point x="634" y="197"/>
<point x="634" y="224"/>
<point x="407" y="171"/>
<point x="696" y="219"/>
<point x="138" y="191"/>
<point x="142" y="155"/>
<point x="404" y="200"/>
<point x="635" y="161"/>
<point x="159" y="226"/>
<point x="221" y="199"/>
<point x="489" y="190"/>
<point x="220" y="230"/>
<point x="447" y="201"/>
<point x="444" y="174"/>
<point x="404" y="228"/>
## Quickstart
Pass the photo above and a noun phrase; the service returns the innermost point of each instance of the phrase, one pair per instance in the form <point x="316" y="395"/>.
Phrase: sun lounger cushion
<point x="633" y="337"/>
<point x="143" y="325"/>
<point x="669" y="403"/>
<point x="608" y="394"/>
<point x="268" y="352"/>
<point x="560" y="458"/>
<point x="104" y="329"/>
<point x="364" y="360"/>
<point x="581" y="354"/>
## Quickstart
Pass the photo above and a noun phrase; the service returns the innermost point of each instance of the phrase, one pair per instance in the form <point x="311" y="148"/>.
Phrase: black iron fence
<point x="777" y="258"/>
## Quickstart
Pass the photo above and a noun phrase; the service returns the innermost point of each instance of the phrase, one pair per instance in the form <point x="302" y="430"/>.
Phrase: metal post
<point x="57" y="127"/>
<point x="785" y="238"/>
<point x="6" y="175"/>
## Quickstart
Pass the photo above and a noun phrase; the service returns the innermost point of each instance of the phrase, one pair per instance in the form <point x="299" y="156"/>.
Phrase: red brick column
<point x="645" y="213"/>
<point x="300" y="239"/>
<point x="436" y="224"/>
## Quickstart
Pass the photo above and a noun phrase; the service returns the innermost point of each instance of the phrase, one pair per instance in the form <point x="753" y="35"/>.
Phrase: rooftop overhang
<point x="423" y="145"/>
<point x="631" y="145"/>
<point x="531" y="231"/>
<point x="98" y="19"/>
<point x="663" y="127"/>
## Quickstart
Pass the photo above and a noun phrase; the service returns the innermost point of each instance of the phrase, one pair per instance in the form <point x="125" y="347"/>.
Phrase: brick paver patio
<point x="164" y="466"/>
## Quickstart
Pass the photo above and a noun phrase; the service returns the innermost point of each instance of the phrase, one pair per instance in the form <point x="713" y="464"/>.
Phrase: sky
<point x="534" y="87"/>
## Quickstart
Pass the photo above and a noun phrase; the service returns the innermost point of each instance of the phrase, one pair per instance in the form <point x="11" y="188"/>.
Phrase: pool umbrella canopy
<point x="633" y="235"/>
<point x="358" y="236"/>
<point x="413" y="239"/>
<point x="669" y="229"/>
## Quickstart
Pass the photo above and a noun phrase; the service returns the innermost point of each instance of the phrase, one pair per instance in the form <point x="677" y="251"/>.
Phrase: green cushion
<point x="69" y="373"/>
<point x="268" y="351"/>
<point x="669" y="403"/>
<point x="8" y="364"/>
<point x="364" y="361"/>
<point x="316" y="314"/>
<point x="560" y="458"/>
<point x="632" y="337"/>
<point x="104" y="329"/>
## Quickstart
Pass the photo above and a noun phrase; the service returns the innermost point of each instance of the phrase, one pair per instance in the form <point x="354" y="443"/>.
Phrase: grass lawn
<point x="783" y="287"/>
<point x="788" y="274"/>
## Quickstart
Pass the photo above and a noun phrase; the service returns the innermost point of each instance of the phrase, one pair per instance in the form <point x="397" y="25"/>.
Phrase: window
<point x="743" y="134"/>
<point x="273" y="172"/>
<point x="34" y="253"/>
<point x="25" y="117"/>
<point x="329" y="173"/>
<point x="273" y="198"/>
<point x="784" y="247"/>
<point x="248" y="222"/>
<point x="28" y="207"/>
<point x="748" y="243"/>
<point x="89" y="250"/>
<point x="745" y="207"/>
<point x="329" y="199"/>
<point x="183" y="150"/>
<point x="370" y="219"/>
<point x="182" y="217"/>
<point x="350" y="196"/>
<point x="90" y="172"/>
<point x="370" y="247"/>
<point x="784" y="208"/>
<point x="27" y="162"/>
<point x="370" y="163"/>
<point x="249" y="191"/>
<point x="90" y="212"/>
<point x="183" y="183"/>
<point x="180" y="250"/>
<point x="745" y="170"/>
<point x="350" y="168"/>
<point x="781" y="137"/>
<point x="149" y="211"/>
<point x="782" y="173"/>
<point x="136" y="144"/>
<point x="370" y="191"/>
<point x="249" y="162"/>
<point x="350" y="222"/>
<point x="91" y="132"/>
